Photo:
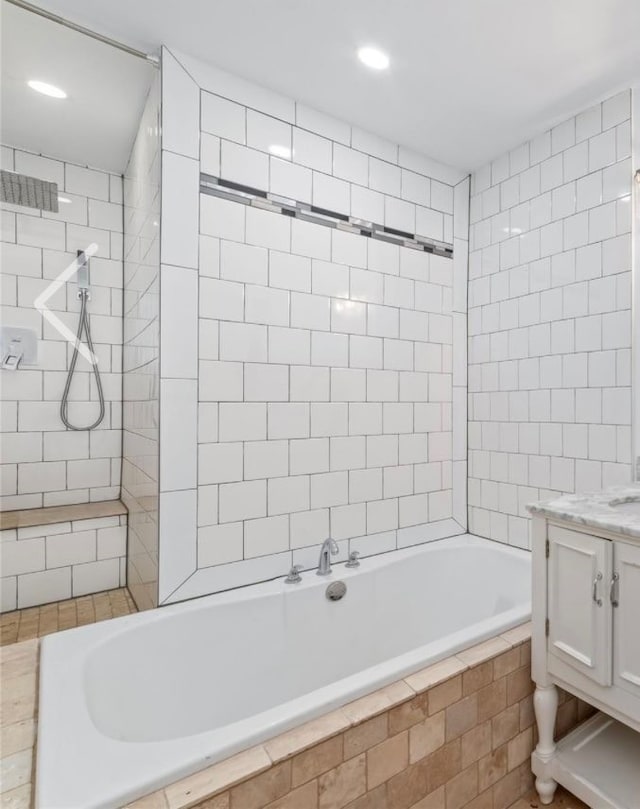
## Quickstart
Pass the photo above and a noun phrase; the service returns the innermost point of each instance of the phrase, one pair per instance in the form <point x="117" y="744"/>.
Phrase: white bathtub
<point x="133" y="704"/>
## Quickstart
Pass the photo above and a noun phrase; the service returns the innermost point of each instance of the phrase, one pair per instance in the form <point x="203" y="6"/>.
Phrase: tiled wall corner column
<point x="324" y="388"/>
<point x="178" y="325"/>
<point x="635" y="250"/>
<point x="459" y="318"/>
<point x="141" y="377"/>
<point x="550" y="319"/>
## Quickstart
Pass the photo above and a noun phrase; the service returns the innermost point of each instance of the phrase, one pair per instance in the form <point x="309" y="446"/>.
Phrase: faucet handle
<point x="353" y="559"/>
<point x="294" y="575"/>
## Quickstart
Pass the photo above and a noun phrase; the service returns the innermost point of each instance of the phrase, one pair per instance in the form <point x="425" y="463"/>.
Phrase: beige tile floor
<point x="562" y="800"/>
<point x="36" y="622"/>
<point x="24" y="625"/>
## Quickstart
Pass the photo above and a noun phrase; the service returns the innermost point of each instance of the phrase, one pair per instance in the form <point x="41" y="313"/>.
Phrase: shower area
<point x="200" y="387"/>
<point x="80" y="258"/>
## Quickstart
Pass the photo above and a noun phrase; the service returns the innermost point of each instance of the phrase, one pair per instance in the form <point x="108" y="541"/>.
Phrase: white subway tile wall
<point x="43" y="463"/>
<point x="141" y="365"/>
<point x="325" y="386"/>
<point x="550" y="320"/>
<point x="63" y="560"/>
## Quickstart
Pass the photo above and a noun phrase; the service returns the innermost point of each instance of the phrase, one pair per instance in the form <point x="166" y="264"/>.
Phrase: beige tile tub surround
<point x="455" y="735"/>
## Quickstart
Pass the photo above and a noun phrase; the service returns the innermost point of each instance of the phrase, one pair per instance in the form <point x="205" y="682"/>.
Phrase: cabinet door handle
<point x="613" y="590"/>
<point x="594" y="593"/>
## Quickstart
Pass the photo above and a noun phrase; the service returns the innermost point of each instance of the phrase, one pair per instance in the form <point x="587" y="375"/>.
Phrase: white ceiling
<point x="96" y="124"/>
<point x="468" y="78"/>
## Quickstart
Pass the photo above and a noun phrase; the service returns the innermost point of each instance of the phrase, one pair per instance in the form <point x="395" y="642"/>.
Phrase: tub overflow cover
<point x="336" y="590"/>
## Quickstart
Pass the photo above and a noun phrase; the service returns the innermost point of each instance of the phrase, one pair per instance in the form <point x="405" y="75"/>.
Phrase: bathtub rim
<point x="309" y="580"/>
<point x="77" y="651"/>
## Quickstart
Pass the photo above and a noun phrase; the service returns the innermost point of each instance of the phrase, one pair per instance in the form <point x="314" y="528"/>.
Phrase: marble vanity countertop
<point x="616" y="509"/>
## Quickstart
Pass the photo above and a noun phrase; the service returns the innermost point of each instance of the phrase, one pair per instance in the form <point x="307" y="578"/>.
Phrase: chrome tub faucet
<point x="329" y="548"/>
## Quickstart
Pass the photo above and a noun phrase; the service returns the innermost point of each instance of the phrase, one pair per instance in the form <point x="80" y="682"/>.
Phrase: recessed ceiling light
<point x="64" y="199"/>
<point x="374" y="58"/>
<point x="280" y="151"/>
<point x="46" y="89"/>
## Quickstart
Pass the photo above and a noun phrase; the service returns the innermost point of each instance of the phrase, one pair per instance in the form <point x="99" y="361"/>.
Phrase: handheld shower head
<point x="82" y="261"/>
<point x="82" y="276"/>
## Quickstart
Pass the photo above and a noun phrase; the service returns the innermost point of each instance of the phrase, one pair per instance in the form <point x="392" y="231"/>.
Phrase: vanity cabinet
<point x="586" y="640"/>
<point x="579" y="615"/>
<point x="593" y="607"/>
<point x="626" y="619"/>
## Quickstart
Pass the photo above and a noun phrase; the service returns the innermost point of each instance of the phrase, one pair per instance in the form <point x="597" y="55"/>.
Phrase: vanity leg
<point x="545" y="704"/>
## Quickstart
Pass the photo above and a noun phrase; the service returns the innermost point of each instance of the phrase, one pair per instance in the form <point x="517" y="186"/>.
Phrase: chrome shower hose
<point x="83" y="323"/>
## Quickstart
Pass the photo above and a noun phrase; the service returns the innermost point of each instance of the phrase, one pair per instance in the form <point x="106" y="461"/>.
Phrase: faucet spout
<point x="329" y="548"/>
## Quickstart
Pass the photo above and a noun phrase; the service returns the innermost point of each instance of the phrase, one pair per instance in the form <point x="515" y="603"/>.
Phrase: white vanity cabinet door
<point x="626" y="617"/>
<point x="579" y="610"/>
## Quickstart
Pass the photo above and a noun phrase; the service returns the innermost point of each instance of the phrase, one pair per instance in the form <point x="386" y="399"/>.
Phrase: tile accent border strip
<point x="246" y="195"/>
